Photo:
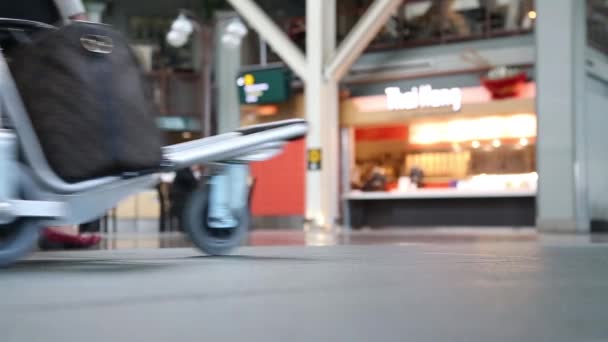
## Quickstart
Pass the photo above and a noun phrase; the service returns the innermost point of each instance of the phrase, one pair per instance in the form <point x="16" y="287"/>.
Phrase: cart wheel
<point x="17" y="239"/>
<point x="213" y="241"/>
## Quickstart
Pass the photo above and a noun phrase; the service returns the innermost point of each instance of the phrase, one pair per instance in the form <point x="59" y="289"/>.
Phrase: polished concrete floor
<point x="440" y="285"/>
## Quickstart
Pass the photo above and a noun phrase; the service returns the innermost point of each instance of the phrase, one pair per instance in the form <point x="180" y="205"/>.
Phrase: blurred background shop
<point x="440" y="118"/>
<point x="428" y="124"/>
<point x="447" y="151"/>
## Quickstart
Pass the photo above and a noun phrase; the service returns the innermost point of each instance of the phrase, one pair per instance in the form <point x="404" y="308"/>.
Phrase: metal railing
<point x="428" y="22"/>
<point x="423" y="23"/>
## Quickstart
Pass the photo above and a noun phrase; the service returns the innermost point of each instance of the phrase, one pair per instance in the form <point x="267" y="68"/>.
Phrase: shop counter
<point x="440" y="207"/>
<point x="439" y="193"/>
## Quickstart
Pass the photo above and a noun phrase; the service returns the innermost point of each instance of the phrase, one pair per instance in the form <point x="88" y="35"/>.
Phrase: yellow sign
<point x="314" y="159"/>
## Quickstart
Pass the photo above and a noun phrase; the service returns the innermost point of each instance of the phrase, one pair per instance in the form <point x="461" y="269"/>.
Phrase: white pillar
<point x="560" y="44"/>
<point x="326" y="67"/>
<point x="322" y="114"/>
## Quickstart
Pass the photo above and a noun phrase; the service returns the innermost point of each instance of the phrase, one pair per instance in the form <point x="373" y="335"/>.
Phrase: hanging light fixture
<point x="234" y="33"/>
<point x="181" y="29"/>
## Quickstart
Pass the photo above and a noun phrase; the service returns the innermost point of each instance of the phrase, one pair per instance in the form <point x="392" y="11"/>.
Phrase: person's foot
<point x="59" y="239"/>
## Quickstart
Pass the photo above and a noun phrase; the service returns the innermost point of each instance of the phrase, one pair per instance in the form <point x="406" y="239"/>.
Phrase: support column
<point x="226" y="64"/>
<point x="322" y="114"/>
<point x="560" y="43"/>
<point x="326" y="67"/>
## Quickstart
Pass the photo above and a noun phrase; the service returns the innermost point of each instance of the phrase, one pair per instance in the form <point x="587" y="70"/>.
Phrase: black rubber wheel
<point x="212" y="241"/>
<point x="17" y="239"/>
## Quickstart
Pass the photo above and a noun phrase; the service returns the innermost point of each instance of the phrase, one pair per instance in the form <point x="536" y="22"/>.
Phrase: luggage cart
<point x="33" y="196"/>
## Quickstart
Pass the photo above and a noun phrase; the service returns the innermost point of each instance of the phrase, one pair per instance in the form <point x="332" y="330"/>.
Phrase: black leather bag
<point x="85" y="96"/>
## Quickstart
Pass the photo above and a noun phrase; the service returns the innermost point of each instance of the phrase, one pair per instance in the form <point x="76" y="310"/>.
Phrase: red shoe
<point x="54" y="239"/>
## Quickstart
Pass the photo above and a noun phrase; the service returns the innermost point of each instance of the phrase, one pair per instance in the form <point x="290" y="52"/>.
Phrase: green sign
<point x="264" y="86"/>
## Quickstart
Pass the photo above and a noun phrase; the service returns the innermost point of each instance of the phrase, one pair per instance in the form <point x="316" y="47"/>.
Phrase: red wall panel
<point x="394" y="132"/>
<point x="280" y="183"/>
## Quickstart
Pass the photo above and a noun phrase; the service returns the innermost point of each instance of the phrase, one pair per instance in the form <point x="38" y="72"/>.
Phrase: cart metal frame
<point x="29" y="188"/>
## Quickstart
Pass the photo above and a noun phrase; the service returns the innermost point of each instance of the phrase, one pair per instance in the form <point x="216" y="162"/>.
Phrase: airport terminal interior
<point x="306" y="170"/>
